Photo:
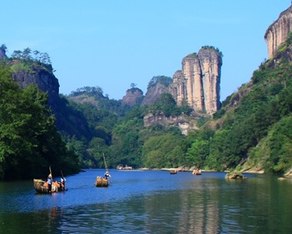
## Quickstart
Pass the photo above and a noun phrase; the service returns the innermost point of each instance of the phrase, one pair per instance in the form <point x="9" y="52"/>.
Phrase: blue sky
<point x="113" y="43"/>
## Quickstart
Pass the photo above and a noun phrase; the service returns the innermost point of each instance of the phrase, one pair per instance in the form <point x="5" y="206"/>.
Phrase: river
<point x="150" y="202"/>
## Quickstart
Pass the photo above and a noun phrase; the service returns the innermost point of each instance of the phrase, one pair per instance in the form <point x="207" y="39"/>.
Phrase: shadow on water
<point x="152" y="202"/>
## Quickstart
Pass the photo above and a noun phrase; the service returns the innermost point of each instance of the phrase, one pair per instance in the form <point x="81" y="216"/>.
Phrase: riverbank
<point x="257" y="171"/>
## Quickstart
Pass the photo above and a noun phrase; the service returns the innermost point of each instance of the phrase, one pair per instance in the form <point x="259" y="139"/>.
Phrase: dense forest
<point x="29" y="140"/>
<point x="251" y="131"/>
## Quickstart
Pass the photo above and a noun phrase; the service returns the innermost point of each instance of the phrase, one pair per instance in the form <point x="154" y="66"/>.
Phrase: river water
<point x="150" y="202"/>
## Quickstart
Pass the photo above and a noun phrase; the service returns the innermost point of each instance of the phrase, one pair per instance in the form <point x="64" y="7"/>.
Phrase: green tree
<point x="280" y="139"/>
<point x="126" y="148"/>
<point x="163" y="150"/>
<point x="198" y="153"/>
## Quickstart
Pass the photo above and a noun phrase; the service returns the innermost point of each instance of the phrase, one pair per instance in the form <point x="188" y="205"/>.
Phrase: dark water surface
<point x="150" y="202"/>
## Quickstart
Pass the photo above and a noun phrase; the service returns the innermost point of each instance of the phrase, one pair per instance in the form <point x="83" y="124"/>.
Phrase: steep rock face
<point x="179" y="86"/>
<point x="198" y="83"/>
<point x="133" y="97"/>
<point x="278" y="32"/>
<point x="153" y="93"/>
<point x="41" y="77"/>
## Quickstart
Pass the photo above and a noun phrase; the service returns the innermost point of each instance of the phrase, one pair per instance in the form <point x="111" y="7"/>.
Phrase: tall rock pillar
<point x="198" y="83"/>
<point x="192" y="73"/>
<point x="278" y="32"/>
<point x="211" y="62"/>
<point x="179" y="87"/>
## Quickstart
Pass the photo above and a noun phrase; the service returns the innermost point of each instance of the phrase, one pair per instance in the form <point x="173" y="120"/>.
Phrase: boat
<point x="124" y="168"/>
<point x="197" y="172"/>
<point x="41" y="186"/>
<point x="173" y="172"/>
<point x="103" y="181"/>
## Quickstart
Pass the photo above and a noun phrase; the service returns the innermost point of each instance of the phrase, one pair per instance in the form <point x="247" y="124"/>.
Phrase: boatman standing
<point x="107" y="175"/>
<point x="49" y="181"/>
<point x="63" y="182"/>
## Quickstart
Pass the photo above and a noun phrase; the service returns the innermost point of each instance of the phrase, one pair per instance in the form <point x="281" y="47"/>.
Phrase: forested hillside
<point x="253" y="129"/>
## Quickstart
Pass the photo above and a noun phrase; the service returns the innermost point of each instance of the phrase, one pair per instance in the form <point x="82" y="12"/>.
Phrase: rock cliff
<point x="134" y="96"/>
<point x="157" y="86"/>
<point x="278" y="32"/>
<point x="198" y="83"/>
<point x="42" y="77"/>
<point x="30" y="71"/>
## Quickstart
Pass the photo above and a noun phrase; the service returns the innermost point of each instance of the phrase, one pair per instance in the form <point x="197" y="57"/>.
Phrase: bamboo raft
<point x="197" y="172"/>
<point x="173" y="172"/>
<point x="41" y="186"/>
<point x="101" y="182"/>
